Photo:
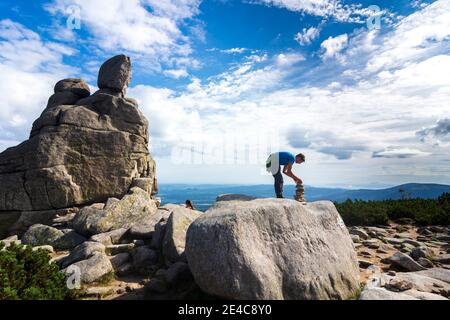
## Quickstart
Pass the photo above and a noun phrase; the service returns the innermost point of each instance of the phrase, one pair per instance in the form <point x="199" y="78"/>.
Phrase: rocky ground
<point x="403" y="261"/>
<point x="130" y="248"/>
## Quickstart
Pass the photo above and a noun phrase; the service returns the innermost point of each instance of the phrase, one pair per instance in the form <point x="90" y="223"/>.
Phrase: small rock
<point x="119" y="259"/>
<point x="421" y="252"/>
<point x="364" y="263"/>
<point x="110" y="237"/>
<point x="119" y="248"/>
<point x="371" y="243"/>
<point x="444" y="259"/>
<point x="355" y="238"/>
<point x="98" y="291"/>
<point x="46" y="248"/>
<point x="360" y="233"/>
<point x="413" y="242"/>
<point x="424" y="262"/>
<point x="398" y="285"/>
<point x="394" y="241"/>
<point x="94" y="268"/>
<point x="39" y="235"/>
<point x="82" y="252"/>
<point x="69" y="240"/>
<point x="406" y="262"/>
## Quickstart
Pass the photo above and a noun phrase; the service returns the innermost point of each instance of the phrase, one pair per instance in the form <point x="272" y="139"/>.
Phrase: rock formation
<point x="272" y="249"/>
<point x="82" y="149"/>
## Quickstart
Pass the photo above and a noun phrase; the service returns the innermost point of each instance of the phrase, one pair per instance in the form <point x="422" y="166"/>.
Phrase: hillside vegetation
<point x="421" y="211"/>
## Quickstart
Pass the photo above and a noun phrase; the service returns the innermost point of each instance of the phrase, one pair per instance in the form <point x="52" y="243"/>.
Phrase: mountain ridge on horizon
<point x="204" y="195"/>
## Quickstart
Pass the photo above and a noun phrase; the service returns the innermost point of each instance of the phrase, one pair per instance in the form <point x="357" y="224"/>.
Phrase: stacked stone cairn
<point x="300" y="193"/>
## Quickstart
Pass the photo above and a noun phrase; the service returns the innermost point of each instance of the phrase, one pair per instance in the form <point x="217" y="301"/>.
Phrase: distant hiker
<point x="285" y="159"/>
<point x="189" y="205"/>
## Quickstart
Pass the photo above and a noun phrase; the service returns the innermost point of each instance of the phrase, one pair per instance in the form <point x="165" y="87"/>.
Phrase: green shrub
<point x="28" y="275"/>
<point x="421" y="211"/>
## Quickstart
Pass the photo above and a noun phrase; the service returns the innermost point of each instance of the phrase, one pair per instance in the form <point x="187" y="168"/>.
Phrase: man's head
<point x="300" y="158"/>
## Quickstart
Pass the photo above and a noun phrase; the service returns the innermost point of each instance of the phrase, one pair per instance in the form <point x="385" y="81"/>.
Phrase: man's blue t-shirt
<point x="285" y="158"/>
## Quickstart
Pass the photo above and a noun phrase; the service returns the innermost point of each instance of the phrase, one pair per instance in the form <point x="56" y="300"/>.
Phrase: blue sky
<point x="224" y="82"/>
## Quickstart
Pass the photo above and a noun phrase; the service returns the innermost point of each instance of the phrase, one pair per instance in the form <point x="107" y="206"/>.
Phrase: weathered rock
<point x="377" y="232"/>
<point x="124" y="269"/>
<point x="146" y="229"/>
<point x="436" y="273"/>
<point x="272" y="249"/>
<point x="74" y="85"/>
<point x="394" y="241"/>
<point x="355" y="238"/>
<point x="423" y="282"/>
<point x="371" y="243"/>
<point x="10" y="240"/>
<point x="234" y="197"/>
<point x="94" y="268"/>
<point x="415" y="243"/>
<point x="443" y="258"/>
<point x="406" y="262"/>
<point x="158" y="235"/>
<point x="424" y="262"/>
<point x="174" y="241"/>
<point x="62" y="98"/>
<point x="82" y="252"/>
<point x="135" y="208"/>
<point x="144" y="259"/>
<point x="360" y="233"/>
<point x="111" y="237"/>
<point x="424" y="295"/>
<point x="421" y="252"/>
<point x="69" y="240"/>
<point x="115" y="74"/>
<point x="178" y="273"/>
<point x="119" y="260"/>
<point x="98" y="291"/>
<point x="76" y="154"/>
<point x="383" y="294"/>
<point x="47" y="248"/>
<point x="40" y="235"/>
<point x="119" y="248"/>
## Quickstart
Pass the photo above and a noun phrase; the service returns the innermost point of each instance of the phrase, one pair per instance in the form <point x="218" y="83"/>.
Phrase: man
<point x="285" y="159"/>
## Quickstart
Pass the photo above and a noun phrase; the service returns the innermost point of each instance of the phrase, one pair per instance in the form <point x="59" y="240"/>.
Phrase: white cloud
<point x="437" y="134"/>
<point x="153" y="36"/>
<point x="30" y="67"/>
<point x="234" y="50"/>
<point x="333" y="46"/>
<point x="401" y="153"/>
<point x="322" y="8"/>
<point x="176" y="73"/>
<point x="307" y="36"/>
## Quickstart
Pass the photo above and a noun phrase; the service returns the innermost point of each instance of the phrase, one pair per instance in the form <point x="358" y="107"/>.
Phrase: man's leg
<point x="278" y="183"/>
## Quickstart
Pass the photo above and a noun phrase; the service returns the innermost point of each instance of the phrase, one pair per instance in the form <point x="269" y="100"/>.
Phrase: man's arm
<point x="287" y="170"/>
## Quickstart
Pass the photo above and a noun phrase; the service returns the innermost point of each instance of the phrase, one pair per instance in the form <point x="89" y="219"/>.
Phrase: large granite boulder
<point x="82" y="149"/>
<point x="272" y="249"/>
